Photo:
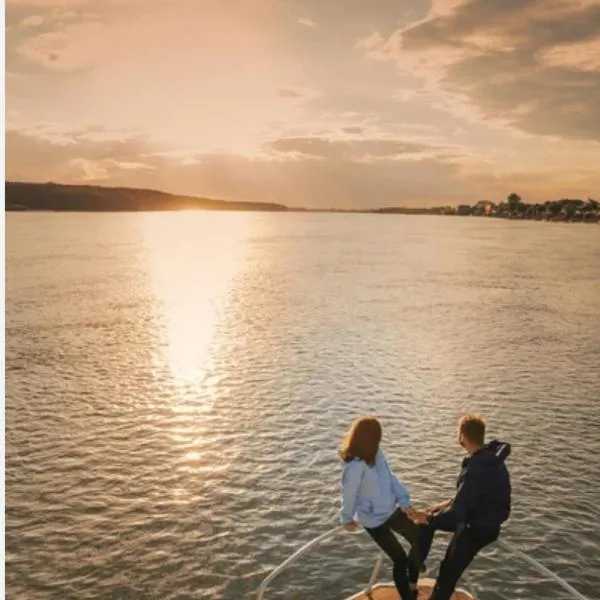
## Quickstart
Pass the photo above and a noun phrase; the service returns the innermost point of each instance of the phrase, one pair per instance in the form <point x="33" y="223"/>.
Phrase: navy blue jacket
<point x="483" y="493"/>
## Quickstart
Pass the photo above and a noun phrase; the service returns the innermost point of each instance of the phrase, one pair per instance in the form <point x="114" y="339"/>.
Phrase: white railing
<point x="293" y="558"/>
<point x="540" y="568"/>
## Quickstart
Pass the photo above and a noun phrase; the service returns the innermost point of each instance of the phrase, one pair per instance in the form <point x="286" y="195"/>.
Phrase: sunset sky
<point x="317" y="103"/>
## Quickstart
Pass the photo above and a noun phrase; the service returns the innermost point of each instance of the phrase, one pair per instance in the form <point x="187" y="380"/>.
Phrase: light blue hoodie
<point x="371" y="493"/>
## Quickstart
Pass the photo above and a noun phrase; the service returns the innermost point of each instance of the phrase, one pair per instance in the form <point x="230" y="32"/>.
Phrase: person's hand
<point x="434" y="509"/>
<point x="410" y="512"/>
<point x="351" y="527"/>
<point x="420" y="517"/>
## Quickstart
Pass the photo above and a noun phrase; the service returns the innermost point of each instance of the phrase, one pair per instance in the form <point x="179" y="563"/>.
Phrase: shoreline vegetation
<point x="85" y="198"/>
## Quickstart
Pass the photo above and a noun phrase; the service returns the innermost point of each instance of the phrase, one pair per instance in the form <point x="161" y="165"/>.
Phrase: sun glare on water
<point x="194" y="260"/>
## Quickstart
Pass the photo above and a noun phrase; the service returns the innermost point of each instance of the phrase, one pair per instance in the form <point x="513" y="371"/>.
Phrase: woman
<point x="373" y="493"/>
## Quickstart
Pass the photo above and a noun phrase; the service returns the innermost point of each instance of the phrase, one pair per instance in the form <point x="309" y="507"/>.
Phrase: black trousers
<point x="406" y="568"/>
<point x="463" y="547"/>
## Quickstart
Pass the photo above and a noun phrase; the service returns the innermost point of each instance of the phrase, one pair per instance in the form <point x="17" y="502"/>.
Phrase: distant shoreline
<point x="52" y="197"/>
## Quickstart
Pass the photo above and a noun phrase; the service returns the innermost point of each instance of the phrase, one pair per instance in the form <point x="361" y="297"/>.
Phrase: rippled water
<point x="177" y="385"/>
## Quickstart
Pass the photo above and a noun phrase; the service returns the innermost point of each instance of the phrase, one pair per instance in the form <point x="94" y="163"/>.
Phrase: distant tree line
<point x="566" y="209"/>
<point x="57" y="197"/>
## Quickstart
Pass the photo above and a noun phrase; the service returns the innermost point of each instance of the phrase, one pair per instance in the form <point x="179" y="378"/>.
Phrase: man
<point x="480" y="506"/>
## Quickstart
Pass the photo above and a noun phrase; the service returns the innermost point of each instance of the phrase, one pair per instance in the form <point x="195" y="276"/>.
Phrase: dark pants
<point x="406" y="568"/>
<point x="462" y="549"/>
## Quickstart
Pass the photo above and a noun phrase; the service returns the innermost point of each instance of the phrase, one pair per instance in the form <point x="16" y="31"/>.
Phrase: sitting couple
<point x="382" y="504"/>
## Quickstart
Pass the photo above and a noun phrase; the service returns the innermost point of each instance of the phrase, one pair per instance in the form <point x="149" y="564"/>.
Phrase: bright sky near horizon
<point x="336" y="103"/>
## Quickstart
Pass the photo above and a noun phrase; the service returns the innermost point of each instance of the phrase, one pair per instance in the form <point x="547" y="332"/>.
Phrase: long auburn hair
<point x="362" y="440"/>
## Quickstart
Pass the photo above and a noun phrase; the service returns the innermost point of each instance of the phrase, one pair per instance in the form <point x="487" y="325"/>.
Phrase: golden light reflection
<point x="192" y="456"/>
<point x="194" y="259"/>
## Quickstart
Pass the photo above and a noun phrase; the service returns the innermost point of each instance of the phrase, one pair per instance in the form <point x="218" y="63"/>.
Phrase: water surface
<point x="177" y="385"/>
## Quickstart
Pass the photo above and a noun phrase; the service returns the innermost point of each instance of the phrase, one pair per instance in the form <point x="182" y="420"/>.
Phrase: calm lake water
<point x="177" y="386"/>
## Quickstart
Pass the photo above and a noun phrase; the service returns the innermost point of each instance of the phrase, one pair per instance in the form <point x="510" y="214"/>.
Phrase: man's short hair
<point x="473" y="428"/>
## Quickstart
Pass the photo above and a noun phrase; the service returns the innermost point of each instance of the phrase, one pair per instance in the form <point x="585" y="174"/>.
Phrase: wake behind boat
<point x="375" y="590"/>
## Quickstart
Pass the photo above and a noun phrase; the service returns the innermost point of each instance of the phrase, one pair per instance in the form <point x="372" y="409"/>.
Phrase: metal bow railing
<point x="539" y="567"/>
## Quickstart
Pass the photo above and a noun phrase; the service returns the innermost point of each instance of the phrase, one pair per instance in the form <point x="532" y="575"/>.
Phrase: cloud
<point x="90" y="171"/>
<point x="305" y="22"/>
<point x="340" y="181"/>
<point x="353" y="130"/>
<point x="370" y="43"/>
<point x="325" y="148"/>
<point x="289" y="93"/>
<point x="229" y="68"/>
<point x="312" y="172"/>
<point x="162" y="33"/>
<point x="531" y="65"/>
<point x="298" y="93"/>
<point x="72" y="47"/>
<point x="98" y="170"/>
<point x="337" y="182"/>
<point x="32" y="21"/>
<point x="581" y="56"/>
<point x="59" y="155"/>
<point x="46" y="3"/>
<point x="460" y="102"/>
